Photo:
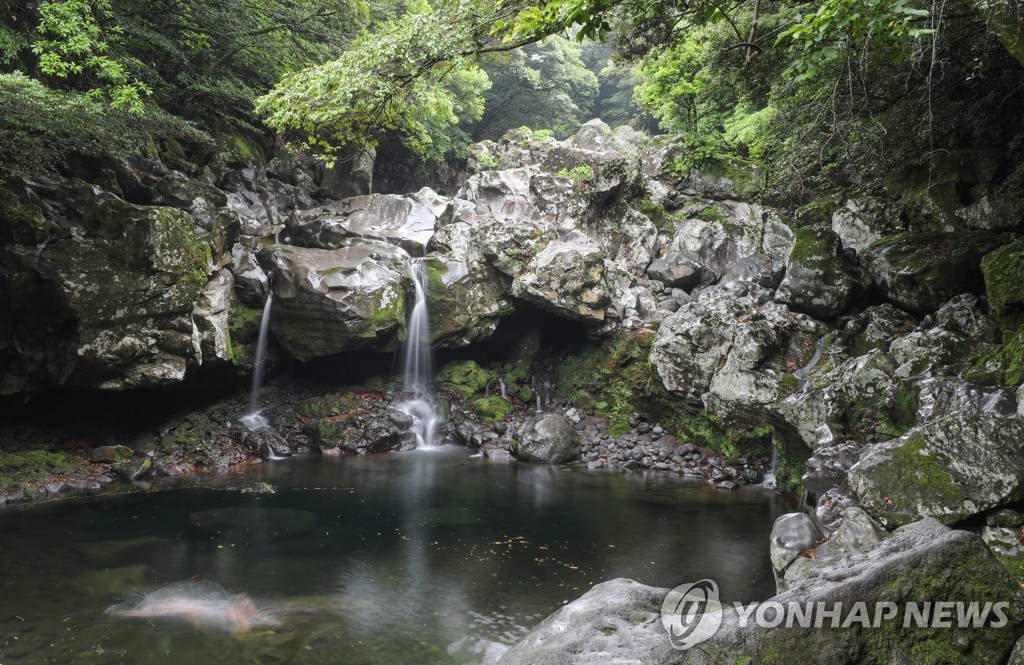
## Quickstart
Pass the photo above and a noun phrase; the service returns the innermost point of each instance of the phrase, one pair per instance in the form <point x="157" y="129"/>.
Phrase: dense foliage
<point x="203" y="61"/>
<point x="840" y="92"/>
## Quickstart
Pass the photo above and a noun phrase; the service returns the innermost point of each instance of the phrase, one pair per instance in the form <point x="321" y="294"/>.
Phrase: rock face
<point x="327" y="301"/>
<point x="733" y="346"/>
<point x="949" y="469"/>
<point x="819" y="278"/>
<point x="619" y="621"/>
<point x="107" y="300"/>
<point x="400" y="220"/>
<point x="548" y="439"/>
<point x="919" y="272"/>
<point x="738" y="232"/>
<point x="1004" y="284"/>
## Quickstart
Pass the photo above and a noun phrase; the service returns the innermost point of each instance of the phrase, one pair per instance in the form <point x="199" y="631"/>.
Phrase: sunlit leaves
<point x="73" y="43"/>
<point x="415" y="77"/>
<point x="824" y="32"/>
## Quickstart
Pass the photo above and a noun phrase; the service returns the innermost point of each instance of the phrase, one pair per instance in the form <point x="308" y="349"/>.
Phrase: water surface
<point x="418" y="558"/>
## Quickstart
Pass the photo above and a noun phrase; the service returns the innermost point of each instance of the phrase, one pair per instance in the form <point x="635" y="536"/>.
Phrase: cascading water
<point x="254" y="419"/>
<point x="416" y="401"/>
<point x="769" y="476"/>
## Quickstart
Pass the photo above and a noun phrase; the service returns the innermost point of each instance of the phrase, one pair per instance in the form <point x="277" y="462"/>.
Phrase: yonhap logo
<point x="691" y="613"/>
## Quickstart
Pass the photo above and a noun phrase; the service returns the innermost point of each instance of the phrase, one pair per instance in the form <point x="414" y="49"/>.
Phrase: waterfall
<point x="254" y="419"/>
<point x="769" y="477"/>
<point x="416" y="401"/>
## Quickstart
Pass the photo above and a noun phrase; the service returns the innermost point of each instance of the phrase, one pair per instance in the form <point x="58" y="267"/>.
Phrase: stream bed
<point x="420" y="558"/>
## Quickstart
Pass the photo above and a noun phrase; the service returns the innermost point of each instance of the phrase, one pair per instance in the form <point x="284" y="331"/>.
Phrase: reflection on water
<point x="412" y="559"/>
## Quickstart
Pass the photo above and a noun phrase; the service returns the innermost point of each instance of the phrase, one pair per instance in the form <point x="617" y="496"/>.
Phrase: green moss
<point x="617" y="427"/>
<point x="244" y="323"/>
<point x="712" y="214"/>
<point x="815" y="249"/>
<point x="1002" y="364"/>
<point x="465" y="377"/>
<point x="788" y="473"/>
<point x="518" y="377"/>
<point x="492" y="409"/>
<point x="915" y="469"/>
<point x="615" y="379"/>
<point x="1014" y="565"/>
<point x="819" y="211"/>
<point x="334" y="432"/>
<point x="1004" y="284"/>
<point x="385" y="316"/>
<point x="246" y="148"/>
<point x="327" y="406"/>
<point x="32" y="464"/>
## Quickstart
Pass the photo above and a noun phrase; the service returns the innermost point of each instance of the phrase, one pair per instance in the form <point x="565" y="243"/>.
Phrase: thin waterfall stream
<point x="416" y="401"/>
<point x="254" y="419"/>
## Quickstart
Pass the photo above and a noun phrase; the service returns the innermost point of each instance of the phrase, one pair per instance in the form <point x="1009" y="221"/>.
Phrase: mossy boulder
<point x="920" y="272"/>
<point x="329" y="301"/>
<point x="465" y="377"/>
<point x="465" y="302"/>
<point x="819" y="279"/>
<point x="493" y="409"/>
<point x="949" y="469"/>
<point x="32" y="464"/>
<point x="1004" y="284"/>
<point x="1002" y="364"/>
<point x="106" y="304"/>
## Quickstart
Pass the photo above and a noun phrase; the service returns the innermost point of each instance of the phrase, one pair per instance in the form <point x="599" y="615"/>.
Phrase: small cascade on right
<point x="769" y="476"/>
<point x="804" y="372"/>
<point x="254" y="419"/>
<point x="416" y="401"/>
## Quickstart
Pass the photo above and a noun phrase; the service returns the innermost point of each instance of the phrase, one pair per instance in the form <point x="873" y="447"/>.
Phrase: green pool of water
<point x="414" y="559"/>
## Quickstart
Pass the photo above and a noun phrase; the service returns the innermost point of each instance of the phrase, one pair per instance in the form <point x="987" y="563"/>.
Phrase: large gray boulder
<point x="920" y="272"/>
<point x="103" y="295"/>
<point x="568" y="279"/>
<point x="819" y="279"/>
<point x="399" y="220"/>
<point x="736" y="231"/>
<point x="620" y="622"/>
<point x="328" y="301"/>
<point x="949" y="469"/>
<point x="732" y="348"/>
<point x="547" y="439"/>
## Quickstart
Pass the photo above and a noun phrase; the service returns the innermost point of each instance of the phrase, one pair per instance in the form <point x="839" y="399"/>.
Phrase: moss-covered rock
<point x="819" y="279"/>
<point x="949" y="469"/>
<point x="108" y="304"/>
<point x="466" y="302"/>
<point x="465" y="377"/>
<point x="328" y="301"/>
<point x="920" y="272"/>
<point x="1004" y="284"/>
<point x="492" y="409"/>
<point x="1002" y="364"/>
<point x="921" y="564"/>
<point x="32" y="464"/>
